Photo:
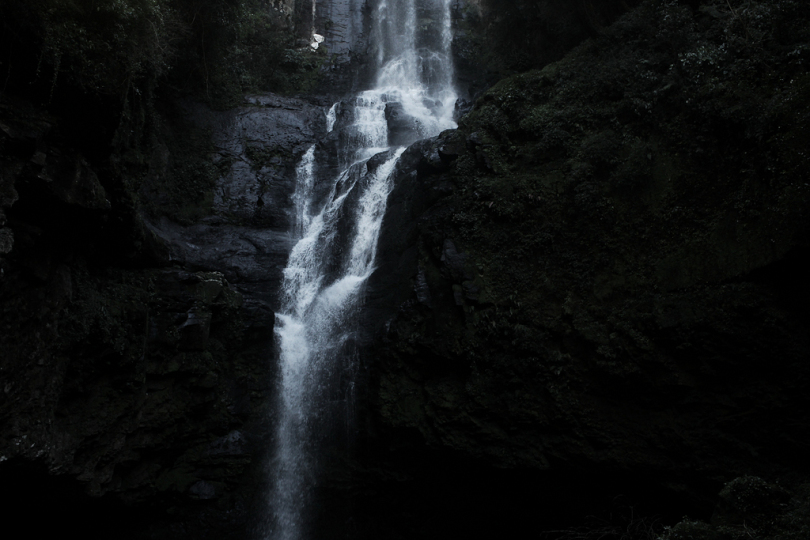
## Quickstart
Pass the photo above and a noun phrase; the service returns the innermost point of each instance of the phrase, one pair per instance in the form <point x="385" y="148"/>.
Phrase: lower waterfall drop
<point x="337" y="224"/>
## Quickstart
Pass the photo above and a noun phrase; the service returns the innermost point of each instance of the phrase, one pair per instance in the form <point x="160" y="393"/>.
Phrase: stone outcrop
<point x="600" y="270"/>
<point x="345" y="27"/>
<point x="245" y="234"/>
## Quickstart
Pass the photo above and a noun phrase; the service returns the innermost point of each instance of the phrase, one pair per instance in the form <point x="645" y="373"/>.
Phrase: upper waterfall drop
<point x="337" y="223"/>
<point x="415" y="66"/>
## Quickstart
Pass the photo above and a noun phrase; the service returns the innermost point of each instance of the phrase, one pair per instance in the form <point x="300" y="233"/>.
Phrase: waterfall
<point x="331" y="118"/>
<point x="337" y="230"/>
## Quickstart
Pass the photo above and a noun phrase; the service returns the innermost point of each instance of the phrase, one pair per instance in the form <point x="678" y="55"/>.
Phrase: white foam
<point x="331" y="118"/>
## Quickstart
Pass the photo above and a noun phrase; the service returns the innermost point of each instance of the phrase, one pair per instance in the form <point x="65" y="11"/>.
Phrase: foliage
<point x="751" y="508"/>
<point x="214" y="49"/>
<point x="106" y="46"/>
<point x="623" y="525"/>
<point x="238" y="47"/>
<point x="517" y="35"/>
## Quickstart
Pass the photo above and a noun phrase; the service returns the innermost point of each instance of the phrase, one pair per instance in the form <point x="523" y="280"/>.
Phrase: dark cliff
<point x="600" y="273"/>
<point x="141" y="240"/>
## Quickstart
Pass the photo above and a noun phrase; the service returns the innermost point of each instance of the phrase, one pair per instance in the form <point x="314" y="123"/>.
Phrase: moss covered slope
<point x="609" y="273"/>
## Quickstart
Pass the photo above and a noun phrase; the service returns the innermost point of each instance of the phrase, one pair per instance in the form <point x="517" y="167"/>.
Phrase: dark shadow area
<point x="39" y="505"/>
<point x="787" y="278"/>
<point x="441" y="494"/>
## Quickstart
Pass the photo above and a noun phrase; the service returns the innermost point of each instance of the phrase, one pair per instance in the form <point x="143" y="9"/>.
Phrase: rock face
<point x="601" y="269"/>
<point x="344" y="25"/>
<point x="139" y="266"/>
<point x="137" y="349"/>
<point x="346" y="28"/>
<point x="402" y="128"/>
<point x="138" y="284"/>
<point x="255" y="149"/>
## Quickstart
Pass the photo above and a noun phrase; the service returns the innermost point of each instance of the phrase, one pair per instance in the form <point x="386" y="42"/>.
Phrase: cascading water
<point x="412" y="98"/>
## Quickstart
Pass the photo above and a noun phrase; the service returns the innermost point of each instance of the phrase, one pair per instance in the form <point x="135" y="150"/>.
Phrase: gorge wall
<point x="599" y="273"/>
<point x="592" y="288"/>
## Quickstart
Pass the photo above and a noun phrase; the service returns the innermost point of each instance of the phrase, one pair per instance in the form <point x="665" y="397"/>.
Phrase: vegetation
<point x="498" y="39"/>
<point x="751" y="508"/>
<point x="112" y="71"/>
<point x="748" y="508"/>
<point x="626" y="225"/>
<point x="213" y="49"/>
<point x="677" y="98"/>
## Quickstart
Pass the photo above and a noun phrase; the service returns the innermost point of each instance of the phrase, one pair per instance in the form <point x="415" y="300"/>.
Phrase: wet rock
<point x="343" y="25"/>
<point x="454" y="261"/>
<point x="421" y="288"/>
<point x="450" y="147"/>
<point x="242" y="254"/>
<point x="403" y="128"/>
<point x="188" y="277"/>
<point x="233" y="444"/>
<point x="194" y="331"/>
<point x="462" y="107"/>
<point x="431" y="160"/>
<point x="475" y="139"/>
<point x="71" y="179"/>
<point x="471" y="291"/>
<point x="202" y="490"/>
<point x="258" y="147"/>
<point x="378" y="159"/>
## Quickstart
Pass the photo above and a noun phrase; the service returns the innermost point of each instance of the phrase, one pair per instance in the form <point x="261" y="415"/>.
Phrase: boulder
<point x="403" y="128"/>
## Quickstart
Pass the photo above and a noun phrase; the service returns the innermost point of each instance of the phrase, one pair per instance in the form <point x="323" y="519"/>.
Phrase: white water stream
<point x="335" y="253"/>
